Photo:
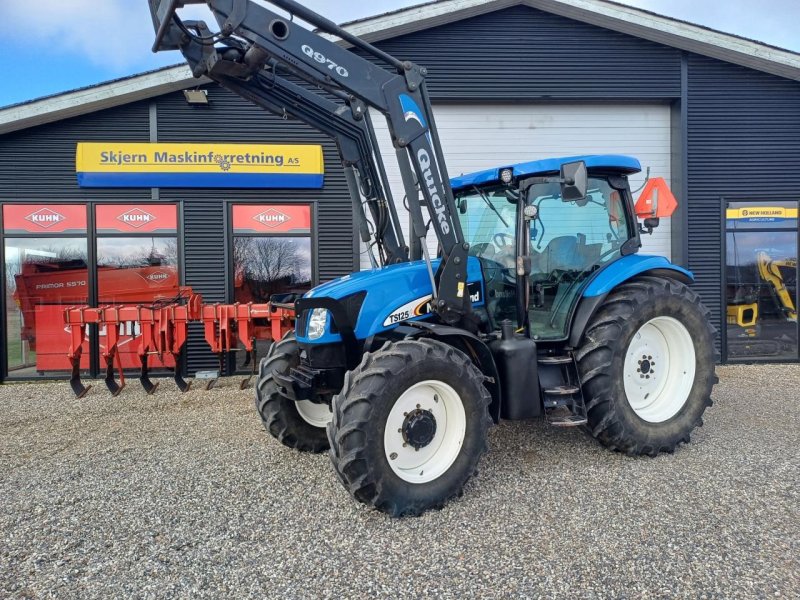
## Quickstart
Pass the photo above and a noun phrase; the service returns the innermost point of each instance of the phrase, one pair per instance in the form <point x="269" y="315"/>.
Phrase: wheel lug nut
<point x="418" y="406"/>
<point x="393" y="456"/>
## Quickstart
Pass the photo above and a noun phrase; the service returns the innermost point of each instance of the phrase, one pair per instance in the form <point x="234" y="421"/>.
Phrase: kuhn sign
<point x="136" y="218"/>
<point x="272" y="218"/>
<point x="45" y="218"/>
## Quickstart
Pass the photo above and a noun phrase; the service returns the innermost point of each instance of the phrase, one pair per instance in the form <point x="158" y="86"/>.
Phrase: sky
<point x="53" y="46"/>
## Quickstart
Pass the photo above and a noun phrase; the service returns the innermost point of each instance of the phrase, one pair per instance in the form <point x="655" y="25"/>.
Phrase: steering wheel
<point x="499" y="239"/>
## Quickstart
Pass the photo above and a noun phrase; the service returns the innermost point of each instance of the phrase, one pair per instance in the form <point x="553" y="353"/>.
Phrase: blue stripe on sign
<point x="202" y="180"/>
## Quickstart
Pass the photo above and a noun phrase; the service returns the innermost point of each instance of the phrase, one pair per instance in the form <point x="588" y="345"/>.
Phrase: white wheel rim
<point x="317" y="415"/>
<point x="659" y="369"/>
<point x="434" y="459"/>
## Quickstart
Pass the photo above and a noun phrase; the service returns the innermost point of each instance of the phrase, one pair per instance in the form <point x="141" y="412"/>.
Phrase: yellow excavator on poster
<point x="746" y="315"/>
<point x="770" y="271"/>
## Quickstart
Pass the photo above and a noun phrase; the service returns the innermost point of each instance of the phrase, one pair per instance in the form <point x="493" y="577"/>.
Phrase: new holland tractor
<point x="537" y="305"/>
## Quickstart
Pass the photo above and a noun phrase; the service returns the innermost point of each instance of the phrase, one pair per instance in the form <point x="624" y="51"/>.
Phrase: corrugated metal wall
<point x="39" y="163"/>
<point x="744" y="143"/>
<point x="521" y="54"/>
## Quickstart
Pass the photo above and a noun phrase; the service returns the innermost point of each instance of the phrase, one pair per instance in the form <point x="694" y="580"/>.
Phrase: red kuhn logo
<point x="136" y="217"/>
<point x="272" y="218"/>
<point x="45" y="218"/>
<point x="158" y="276"/>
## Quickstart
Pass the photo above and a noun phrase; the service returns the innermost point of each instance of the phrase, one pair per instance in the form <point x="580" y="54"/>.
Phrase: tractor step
<point x="555" y="360"/>
<point x="567" y="421"/>
<point x="562" y="390"/>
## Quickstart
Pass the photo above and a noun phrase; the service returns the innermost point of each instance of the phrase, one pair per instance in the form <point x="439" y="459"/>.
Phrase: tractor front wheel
<point x="299" y="425"/>
<point x="647" y="366"/>
<point x="409" y="426"/>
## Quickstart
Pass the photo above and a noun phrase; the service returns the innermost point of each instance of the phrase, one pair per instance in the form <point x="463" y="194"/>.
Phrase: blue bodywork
<point x="387" y="289"/>
<point x="391" y="290"/>
<point x="626" y="267"/>
<point x="624" y="165"/>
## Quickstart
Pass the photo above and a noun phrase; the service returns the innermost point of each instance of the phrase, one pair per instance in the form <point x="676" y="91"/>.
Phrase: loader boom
<point x="256" y="50"/>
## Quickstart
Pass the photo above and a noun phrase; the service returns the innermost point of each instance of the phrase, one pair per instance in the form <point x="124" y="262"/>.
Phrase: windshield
<point x="488" y="219"/>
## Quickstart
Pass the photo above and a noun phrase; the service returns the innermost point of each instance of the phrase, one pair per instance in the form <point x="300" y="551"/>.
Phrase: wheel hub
<point x="419" y="428"/>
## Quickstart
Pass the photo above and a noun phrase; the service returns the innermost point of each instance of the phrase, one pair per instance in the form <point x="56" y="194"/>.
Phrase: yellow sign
<point x="110" y="164"/>
<point x="762" y="213"/>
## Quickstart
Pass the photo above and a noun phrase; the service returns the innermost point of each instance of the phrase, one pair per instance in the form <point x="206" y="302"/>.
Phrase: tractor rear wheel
<point x="409" y="426"/>
<point x="647" y="366"/>
<point x="299" y="425"/>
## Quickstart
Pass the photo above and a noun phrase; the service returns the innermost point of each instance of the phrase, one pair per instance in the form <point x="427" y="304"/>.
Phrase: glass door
<point x="761" y="240"/>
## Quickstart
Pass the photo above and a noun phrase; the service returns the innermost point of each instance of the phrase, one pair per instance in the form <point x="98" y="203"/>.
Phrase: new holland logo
<point x="136" y="218"/>
<point x="45" y="218"/>
<point x="272" y="218"/>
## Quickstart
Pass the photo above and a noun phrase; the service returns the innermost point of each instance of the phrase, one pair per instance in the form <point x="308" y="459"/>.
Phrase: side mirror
<point x="649" y="225"/>
<point x="574" y="181"/>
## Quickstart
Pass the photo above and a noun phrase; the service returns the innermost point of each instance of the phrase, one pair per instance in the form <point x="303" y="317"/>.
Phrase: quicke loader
<point x="538" y="304"/>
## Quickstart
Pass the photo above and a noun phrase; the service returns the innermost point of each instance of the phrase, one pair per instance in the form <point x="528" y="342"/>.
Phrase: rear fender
<point x="589" y="305"/>
<point x="469" y="344"/>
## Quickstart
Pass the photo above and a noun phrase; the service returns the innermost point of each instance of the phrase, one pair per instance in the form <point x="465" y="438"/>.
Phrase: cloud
<point x="117" y="34"/>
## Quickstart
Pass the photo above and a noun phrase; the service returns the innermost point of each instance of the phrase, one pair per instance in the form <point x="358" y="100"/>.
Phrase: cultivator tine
<point x="75" y="383"/>
<point x="182" y="384"/>
<point x="112" y="385"/>
<point x="148" y="385"/>
<point x="250" y="360"/>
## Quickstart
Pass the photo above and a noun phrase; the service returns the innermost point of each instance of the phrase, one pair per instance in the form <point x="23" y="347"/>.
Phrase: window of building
<point x="272" y="258"/>
<point x="137" y="263"/>
<point x="761" y="280"/>
<point x="46" y="270"/>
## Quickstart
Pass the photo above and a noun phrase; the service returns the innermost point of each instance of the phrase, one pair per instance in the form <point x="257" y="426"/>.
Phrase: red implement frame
<point x="164" y="330"/>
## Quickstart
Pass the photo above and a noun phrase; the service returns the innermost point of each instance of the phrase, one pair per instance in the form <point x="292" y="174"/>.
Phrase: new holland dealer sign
<point x="109" y="164"/>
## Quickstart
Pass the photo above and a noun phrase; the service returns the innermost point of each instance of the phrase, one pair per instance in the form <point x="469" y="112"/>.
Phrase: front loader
<point x="538" y="304"/>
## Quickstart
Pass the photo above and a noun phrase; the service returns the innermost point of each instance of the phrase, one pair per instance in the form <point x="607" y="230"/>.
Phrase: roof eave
<point x="106" y="95"/>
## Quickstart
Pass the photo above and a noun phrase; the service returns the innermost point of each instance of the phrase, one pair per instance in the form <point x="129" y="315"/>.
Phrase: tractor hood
<point x="392" y="295"/>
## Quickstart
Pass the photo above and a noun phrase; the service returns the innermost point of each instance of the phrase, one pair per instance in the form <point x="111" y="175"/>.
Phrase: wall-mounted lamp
<point x="196" y="97"/>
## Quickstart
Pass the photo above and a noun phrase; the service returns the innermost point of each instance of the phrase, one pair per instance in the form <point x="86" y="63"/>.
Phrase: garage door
<point x="484" y="136"/>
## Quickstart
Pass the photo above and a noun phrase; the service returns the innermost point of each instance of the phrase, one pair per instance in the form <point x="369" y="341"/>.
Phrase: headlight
<point x="316" y="323"/>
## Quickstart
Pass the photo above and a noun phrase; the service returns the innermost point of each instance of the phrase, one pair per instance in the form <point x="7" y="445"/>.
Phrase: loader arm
<point x="266" y="41"/>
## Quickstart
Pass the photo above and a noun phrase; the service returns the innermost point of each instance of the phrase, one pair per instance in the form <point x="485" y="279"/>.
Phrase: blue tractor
<point x="538" y="304"/>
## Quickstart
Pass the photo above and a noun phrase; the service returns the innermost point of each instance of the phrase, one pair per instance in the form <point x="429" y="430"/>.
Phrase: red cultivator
<point x="164" y="329"/>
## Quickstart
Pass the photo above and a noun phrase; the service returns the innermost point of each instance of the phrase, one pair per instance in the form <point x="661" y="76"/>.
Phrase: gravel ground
<point x="186" y="495"/>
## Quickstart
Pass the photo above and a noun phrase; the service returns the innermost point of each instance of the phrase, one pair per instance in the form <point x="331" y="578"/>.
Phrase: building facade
<point x="716" y="116"/>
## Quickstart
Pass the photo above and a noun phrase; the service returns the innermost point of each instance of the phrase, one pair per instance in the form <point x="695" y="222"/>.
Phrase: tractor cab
<point x="540" y="240"/>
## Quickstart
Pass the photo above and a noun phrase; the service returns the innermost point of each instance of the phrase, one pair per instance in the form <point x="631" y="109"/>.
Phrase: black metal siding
<point x="743" y="143"/>
<point x="522" y="54"/>
<point x="39" y="163"/>
<point x="227" y="118"/>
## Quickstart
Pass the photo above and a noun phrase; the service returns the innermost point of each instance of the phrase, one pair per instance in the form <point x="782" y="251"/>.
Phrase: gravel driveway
<point x="186" y="495"/>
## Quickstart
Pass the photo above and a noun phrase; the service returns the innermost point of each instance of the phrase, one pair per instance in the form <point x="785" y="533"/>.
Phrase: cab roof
<point x="624" y="165"/>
